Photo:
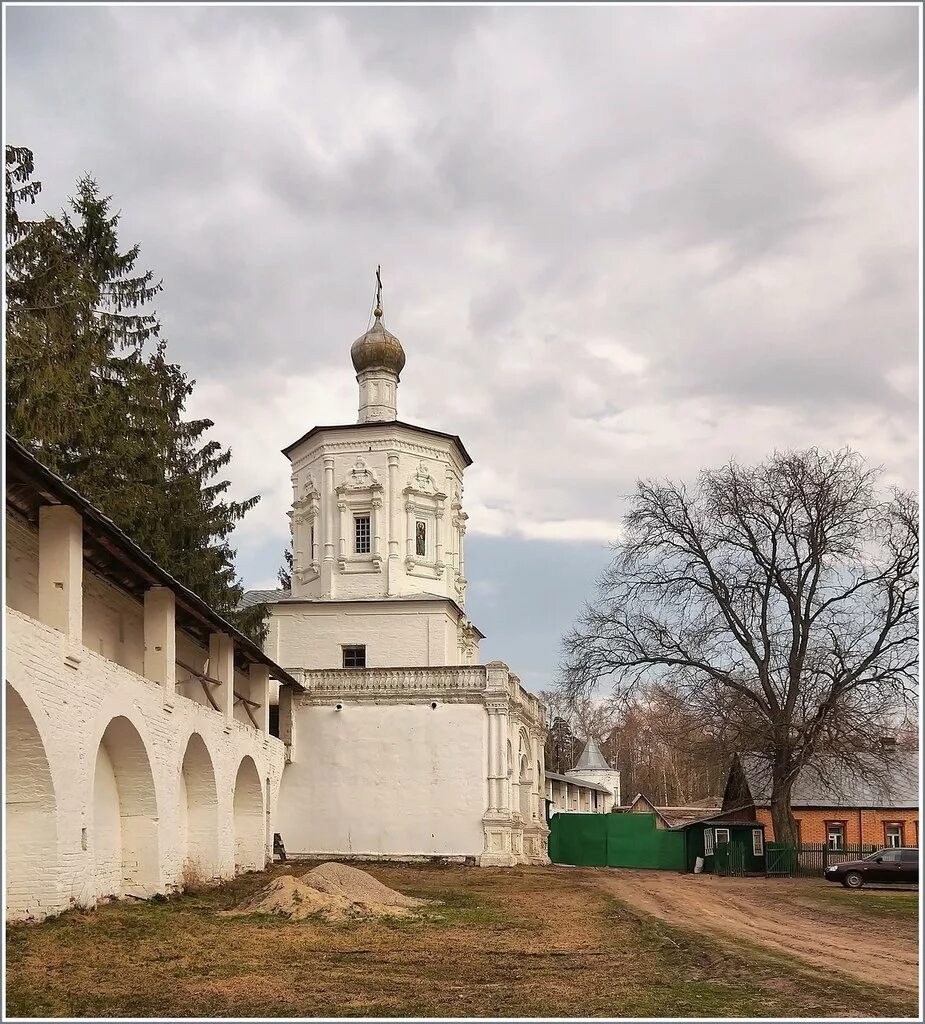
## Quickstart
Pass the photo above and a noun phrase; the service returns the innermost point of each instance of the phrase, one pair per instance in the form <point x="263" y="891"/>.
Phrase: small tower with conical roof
<point x="592" y="766"/>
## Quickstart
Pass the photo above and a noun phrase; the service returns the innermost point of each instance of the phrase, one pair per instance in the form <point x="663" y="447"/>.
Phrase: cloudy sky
<point x="616" y="242"/>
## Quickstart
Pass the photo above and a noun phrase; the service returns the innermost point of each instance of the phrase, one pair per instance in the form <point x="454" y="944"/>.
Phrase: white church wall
<point x="416" y="633"/>
<point x="395" y="464"/>
<point x="402" y="780"/>
<point x="121" y="811"/>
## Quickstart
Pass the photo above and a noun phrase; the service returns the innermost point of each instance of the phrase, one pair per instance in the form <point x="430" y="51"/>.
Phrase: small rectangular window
<point x="894" y="835"/>
<point x="722" y="835"/>
<point x="361" y="535"/>
<point x="355" y="656"/>
<point x="708" y="842"/>
<point x="836" y="836"/>
<point x="420" y="538"/>
<point x="757" y="842"/>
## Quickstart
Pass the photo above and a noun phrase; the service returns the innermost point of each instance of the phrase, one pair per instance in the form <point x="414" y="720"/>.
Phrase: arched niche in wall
<point x="124" y="837"/>
<point x="31" y="838"/>
<point x="198" y="813"/>
<point x="249" y="837"/>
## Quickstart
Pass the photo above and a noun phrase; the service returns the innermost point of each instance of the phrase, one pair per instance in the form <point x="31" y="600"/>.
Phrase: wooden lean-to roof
<point x="116" y="557"/>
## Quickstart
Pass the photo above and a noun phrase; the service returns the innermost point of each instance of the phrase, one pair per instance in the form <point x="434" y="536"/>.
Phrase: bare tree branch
<point x="780" y="600"/>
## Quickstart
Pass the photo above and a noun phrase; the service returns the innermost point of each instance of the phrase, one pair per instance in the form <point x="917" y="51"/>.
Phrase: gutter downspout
<point x="861" y="830"/>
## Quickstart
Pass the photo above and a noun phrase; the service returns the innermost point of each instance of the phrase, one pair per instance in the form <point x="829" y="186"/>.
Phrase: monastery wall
<point x="22" y="565"/>
<point x="115" y="786"/>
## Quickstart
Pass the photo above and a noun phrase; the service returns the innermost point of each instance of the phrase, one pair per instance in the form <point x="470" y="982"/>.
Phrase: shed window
<point x="757" y="842"/>
<point x="355" y="656"/>
<point x="722" y="835"/>
<point x="361" y="535"/>
<point x="708" y="842"/>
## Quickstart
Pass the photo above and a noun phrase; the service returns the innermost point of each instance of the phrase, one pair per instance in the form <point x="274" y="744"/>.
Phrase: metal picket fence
<point x="810" y="859"/>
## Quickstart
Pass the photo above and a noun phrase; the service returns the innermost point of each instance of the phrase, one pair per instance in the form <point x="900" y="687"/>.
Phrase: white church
<point x="401" y="743"/>
<point x="149" y="743"/>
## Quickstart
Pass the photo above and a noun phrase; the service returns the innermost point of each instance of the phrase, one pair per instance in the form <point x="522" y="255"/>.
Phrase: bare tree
<point x="781" y="599"/>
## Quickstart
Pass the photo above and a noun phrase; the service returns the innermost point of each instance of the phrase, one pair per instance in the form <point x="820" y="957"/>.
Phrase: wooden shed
<point x="727" y="846"/>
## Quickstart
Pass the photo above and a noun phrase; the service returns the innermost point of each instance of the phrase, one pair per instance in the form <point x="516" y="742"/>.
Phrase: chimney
<point x="888" y="742"/>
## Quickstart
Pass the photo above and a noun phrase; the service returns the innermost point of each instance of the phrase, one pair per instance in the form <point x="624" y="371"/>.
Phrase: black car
<point x="880" y="868"/>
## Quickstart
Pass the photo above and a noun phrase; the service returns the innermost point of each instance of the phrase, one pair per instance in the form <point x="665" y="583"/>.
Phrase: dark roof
<point x="252" y="597"/>
<point x="677" y="817"/>
<point x="577" y="782"/>
<point x="379" y="424"/>
<point x="719" y="818"/>
<point x="114" y="555"/>
<point x="719" y="822"/>
<point x="828" y="784"/>
<point x="687" y="815"/>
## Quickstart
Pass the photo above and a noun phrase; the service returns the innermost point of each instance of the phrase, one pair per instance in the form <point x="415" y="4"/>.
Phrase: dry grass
<point x="506" y="942"/>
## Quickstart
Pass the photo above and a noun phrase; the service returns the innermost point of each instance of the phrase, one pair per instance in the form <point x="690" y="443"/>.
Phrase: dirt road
<point x="788" y="915"/>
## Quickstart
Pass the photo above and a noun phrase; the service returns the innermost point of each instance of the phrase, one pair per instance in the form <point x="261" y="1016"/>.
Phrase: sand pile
<point x="356" y="886"/>
<point x="334" y="891"/>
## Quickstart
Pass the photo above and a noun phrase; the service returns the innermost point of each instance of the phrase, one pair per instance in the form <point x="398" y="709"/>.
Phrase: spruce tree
<point x="284" y="572"/>
<point x="92" y="392"/>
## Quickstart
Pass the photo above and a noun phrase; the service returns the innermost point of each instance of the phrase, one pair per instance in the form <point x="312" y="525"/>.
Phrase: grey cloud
<point x="537" y="183"/>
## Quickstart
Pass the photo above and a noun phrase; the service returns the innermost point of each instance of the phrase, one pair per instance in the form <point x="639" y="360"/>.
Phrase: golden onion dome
<point x="378" y="349"/>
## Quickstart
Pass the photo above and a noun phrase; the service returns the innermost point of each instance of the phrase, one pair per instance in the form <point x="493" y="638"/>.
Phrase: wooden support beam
<point x="247" y="710"/>
<point x="199" y="675"/>
<point x="208" y="693"/>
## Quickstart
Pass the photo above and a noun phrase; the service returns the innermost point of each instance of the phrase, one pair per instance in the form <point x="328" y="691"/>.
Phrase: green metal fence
<point x="615" y="840"/>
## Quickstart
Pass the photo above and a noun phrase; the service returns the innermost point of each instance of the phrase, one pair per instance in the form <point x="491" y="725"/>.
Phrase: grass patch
<point x="901" y="905"/>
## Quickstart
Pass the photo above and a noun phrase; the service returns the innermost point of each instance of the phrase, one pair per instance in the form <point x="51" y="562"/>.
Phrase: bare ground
<point x="519" y="942"/>
<point x="810" y="919"/>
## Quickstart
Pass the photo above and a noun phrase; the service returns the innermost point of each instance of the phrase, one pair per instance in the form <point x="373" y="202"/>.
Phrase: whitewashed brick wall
<point x="410" y="634"/>
<point x="73" y="694"/>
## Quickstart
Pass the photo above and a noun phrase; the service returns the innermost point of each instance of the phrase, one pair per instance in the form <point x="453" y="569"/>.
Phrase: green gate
<point x="616" y="841"/>
<point x="780" y="860"/>
<point x="729" y="859"/>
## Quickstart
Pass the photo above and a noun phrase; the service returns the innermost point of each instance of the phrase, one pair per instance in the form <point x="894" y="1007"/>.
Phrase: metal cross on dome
<point x="378" y="311"/>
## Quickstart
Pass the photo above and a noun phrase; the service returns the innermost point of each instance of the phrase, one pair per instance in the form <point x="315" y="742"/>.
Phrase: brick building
<point x="834" y="805"/>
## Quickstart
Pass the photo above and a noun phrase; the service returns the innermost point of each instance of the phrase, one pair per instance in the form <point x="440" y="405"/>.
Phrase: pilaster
<point x="160" y="633"/>
<point x="221" y="667"/>
<point x="61" y="569"/>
